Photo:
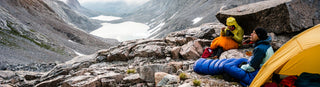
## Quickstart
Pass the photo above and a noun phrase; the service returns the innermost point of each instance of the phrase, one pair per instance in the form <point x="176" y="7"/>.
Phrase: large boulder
<point x="191" y="50"/>
<point x="278" y="16"/>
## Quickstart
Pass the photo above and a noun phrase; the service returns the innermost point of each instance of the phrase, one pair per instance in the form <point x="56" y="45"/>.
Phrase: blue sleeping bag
<point x="229" y="66"/>
<point x="233" y="69"/>
<point x="209" y="66"/>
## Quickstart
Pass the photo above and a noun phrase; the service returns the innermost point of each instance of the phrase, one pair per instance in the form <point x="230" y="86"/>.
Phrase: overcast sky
<point x="130" y="2"/>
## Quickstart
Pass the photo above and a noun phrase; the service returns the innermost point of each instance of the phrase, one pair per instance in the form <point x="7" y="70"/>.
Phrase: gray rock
<point x="285" y="16"/>
<point x="192" y="50"/>
<point x="175" y="52"/>
<point x="147" y="72"/>
<point x="132" y="79"/>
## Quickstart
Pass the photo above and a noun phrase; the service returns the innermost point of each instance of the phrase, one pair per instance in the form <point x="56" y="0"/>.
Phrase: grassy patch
<point x="183" y="76"/>
<point x="40" y="44"/>
<point x="196" y="82"/>
<point x="131" y="71"/>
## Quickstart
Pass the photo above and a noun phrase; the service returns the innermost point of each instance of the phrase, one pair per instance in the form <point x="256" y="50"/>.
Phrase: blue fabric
<point x="234" y="71"/>
<point x="259" y="52"/>
<point x="197" y="65"/>
<point x="212" y="68"/>
<point x="205" y="67"/>
<point x="209" y="66"/>
<point x="229" y="66"/>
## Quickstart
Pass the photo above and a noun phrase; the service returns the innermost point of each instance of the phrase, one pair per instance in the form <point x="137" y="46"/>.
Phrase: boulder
<point x="147" y="51"/>
<point x="162" y="79"/>
<point x="147" y="72"/>
<point x="192" y="50"/>
<point x="175" y="52"/>
<point x="278" y="16"/>
<point x="158" y="76"/>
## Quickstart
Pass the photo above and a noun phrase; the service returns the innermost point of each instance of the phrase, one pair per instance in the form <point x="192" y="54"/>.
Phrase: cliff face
<point x="34" y="31"/>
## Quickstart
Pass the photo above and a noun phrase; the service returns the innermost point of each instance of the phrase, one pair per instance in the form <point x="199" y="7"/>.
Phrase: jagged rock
<point x="209" y="30"/>
<point x="158" y="77"/>
<point x="135" y="48"/>
<point x="146" y="50"/>
<point x="177" y="65"/>
<point x="204" y="42"/>
<point x="118" y="54"/>
<point x="132" y="79"/>
<point x="107" y="79"/>
<point x="163" y="79"/>
<point x="278" y="41"/>
<point x="175" y="52"/>
<point x="147" y="72"/>
<point x="192" y="50"/>
<point x="205" y="31"/>
<point x="54" y="82"/>
<point x="178" y="40"/>
<point x="278" y="16"/>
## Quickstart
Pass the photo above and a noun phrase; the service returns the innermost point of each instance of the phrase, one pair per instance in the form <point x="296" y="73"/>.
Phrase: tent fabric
<point x="298" y="55"/>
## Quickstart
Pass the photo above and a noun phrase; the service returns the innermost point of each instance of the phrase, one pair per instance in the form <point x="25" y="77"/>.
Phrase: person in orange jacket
<point x="230" y="38"/>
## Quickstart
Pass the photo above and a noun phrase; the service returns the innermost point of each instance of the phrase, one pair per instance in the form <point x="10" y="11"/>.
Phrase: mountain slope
<point x="165" y="16"/>
<point x="31" y="31"/>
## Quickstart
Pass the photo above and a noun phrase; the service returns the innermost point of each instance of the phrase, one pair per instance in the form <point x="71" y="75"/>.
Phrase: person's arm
<point x="223" y="32"/>
<point x="238" y="36"/>
<point x="255" y="60"/>
<point x="258" y="55"/>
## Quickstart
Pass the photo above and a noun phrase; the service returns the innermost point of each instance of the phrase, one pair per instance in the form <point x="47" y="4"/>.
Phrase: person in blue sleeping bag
<point x="261" y="53"/>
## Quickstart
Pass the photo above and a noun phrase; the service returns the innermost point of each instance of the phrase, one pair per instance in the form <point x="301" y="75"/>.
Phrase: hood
<point x="266" y="41"/>
<point x="232" y="21"/>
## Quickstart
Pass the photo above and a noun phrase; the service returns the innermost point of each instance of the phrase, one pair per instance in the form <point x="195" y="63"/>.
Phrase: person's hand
<point x="229" y="33"/>
<point x="222" y="29"/>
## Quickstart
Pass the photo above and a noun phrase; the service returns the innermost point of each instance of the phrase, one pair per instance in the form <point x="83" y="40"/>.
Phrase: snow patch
<point x="196" y="20"/>
<point x="106" y="18"/>
<point x="157" y="28"/>
<point x="65" y="1"/>
<point x="79" y="54"/>
<point x="122" y="31"/>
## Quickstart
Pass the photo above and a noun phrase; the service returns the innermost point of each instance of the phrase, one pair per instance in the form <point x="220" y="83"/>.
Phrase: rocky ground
<point x="166" y="61"/>
<point x="136" y="63"/>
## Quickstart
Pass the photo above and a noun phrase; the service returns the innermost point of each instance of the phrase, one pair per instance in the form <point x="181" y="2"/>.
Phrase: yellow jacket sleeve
<point x="222" y="33"/>
<point x="238" y="35"/>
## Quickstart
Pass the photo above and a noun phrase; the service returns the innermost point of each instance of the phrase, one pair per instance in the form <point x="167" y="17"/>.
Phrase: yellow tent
<point x="300" y="54"/>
